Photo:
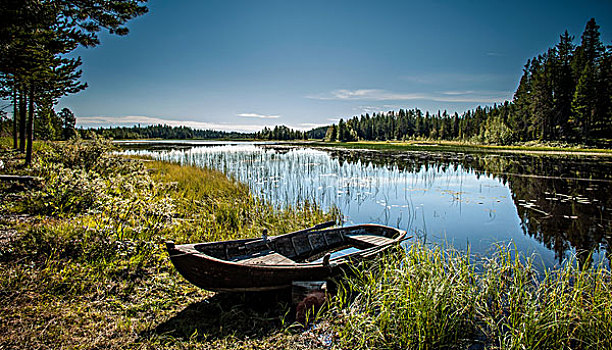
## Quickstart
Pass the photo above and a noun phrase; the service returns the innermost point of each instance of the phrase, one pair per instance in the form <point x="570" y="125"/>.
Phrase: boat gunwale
<point x="189" y="249"/>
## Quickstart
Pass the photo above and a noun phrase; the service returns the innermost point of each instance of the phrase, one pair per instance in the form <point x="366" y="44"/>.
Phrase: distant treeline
<point x="48" y="124"/>
<point x="281" y="132"/>
<point x="163" y="132"/>
<point x="564" y="94"/>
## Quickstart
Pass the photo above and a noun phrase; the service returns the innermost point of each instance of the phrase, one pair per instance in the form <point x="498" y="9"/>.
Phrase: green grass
<point x="6" y="142"/>
<point x="432" y="298"/>
<point x="83" y="264"/>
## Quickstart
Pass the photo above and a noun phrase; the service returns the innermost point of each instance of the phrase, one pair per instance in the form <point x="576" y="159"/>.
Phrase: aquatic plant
<point x="427" y="298"/>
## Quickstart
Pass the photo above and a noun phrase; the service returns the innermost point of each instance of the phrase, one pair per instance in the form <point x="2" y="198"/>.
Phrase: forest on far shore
<point x="565" y="94"/>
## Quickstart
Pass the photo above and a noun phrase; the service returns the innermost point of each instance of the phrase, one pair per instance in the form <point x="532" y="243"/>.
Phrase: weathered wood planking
<point x="370" y="240"/>
<point x="267" y="257"/>
<point x="275" y="262"/>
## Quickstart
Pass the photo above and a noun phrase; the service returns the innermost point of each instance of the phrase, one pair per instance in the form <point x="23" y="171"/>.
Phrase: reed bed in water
<point x="426" y="298"/>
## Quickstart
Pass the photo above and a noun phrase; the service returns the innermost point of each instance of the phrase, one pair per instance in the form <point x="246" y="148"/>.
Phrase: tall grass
<point x="566" y="308"/>
<point x="420" y="299"/>
<point x="429" y="298"/>
<point x="210" y="207"/>
<point x="87" y="265"/>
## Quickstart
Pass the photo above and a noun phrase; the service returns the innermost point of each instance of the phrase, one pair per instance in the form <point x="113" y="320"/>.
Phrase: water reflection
<point x="545" y="205"/>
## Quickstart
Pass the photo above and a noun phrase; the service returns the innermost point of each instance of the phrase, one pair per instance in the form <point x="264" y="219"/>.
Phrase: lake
<point x="552" y="206"/>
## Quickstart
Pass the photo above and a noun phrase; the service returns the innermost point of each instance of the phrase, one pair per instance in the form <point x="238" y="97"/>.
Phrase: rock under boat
<point x="269" y="263"/>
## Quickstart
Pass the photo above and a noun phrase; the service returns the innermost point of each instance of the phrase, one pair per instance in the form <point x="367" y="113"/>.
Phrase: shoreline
<point x="456" y="147"/>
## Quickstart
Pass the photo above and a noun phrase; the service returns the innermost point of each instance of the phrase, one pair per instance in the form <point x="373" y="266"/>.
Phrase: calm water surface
<point x="551" y="206"/>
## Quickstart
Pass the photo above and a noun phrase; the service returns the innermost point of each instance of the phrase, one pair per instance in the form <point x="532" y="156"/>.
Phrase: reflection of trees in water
<point x="564" y="202"/>
<point x="563" y="214"/>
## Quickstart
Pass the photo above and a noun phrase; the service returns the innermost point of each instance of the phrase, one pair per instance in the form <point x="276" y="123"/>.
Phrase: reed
<point x="422" y="298"/>
<point x="428" y="298"/>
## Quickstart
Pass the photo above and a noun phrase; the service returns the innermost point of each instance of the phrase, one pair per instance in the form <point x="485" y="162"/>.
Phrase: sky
<point x="242" y="65"/>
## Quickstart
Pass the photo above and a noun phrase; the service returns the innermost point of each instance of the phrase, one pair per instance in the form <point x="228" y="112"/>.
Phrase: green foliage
<point x="35" y="68"/>
<point x="332" y="133"/>
<point x="280" y="132"/>
<point x="317" y="133"/>
<point x="583" y="104"/>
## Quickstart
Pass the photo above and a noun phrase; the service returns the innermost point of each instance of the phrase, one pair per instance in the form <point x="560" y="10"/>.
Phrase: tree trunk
<point x="28" y="159"/>
<point x="15" y="114"/>
<point x="22" y="121"/>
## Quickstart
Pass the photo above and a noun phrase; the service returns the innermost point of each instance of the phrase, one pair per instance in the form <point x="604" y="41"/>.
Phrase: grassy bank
<point x="82" y="258"/>
<point x="453" y="146"/>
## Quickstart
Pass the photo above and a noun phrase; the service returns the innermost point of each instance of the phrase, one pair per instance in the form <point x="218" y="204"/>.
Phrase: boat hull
<point x="215" y="274"/>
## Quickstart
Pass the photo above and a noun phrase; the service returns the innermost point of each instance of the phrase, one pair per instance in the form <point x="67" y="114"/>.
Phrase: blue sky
<point x="243" y="65"/>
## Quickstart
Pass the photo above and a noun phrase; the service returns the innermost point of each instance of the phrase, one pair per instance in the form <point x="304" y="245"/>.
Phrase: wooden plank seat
<point x="368" y="240"/>
<point x="266" y="257"/>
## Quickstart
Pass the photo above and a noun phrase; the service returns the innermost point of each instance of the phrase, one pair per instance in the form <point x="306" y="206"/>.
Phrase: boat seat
<point x="266" y="257"/>
<point x="369" y="240"/>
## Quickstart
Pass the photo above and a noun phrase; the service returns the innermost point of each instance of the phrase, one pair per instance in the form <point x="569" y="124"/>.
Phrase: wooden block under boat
<point x="369" y="240"/>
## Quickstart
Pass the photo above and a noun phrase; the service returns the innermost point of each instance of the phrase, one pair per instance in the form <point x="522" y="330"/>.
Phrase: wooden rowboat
<point x="269" y="263"/>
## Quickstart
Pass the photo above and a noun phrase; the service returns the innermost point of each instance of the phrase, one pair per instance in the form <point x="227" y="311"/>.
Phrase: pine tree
<point x="541" y="110"/>
<point x="583" y="104"/>
<point x="332" y="133"/>
<point x="522" y="102"/>
<point x="563" y="85"/>
<point x="605" y="94"/>
<point x="36" y="35"/>
<point x="68" y="123"/>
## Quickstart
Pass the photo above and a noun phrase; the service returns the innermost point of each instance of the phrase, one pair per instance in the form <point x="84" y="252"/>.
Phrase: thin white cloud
<point x="455" y="93"/>
<point x="454" y="78"/>
<point x="384" y="95"/>
<point x="104" y="121"/>
<point x="377" y="109"/>
<point x="366" y="95"/>
<point x="259" y="116"/>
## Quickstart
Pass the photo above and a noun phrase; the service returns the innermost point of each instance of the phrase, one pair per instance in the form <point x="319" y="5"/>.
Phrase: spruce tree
<point x="563" y="85"/>
<point x="584" y="102"/>
<point x="605" y="94"/>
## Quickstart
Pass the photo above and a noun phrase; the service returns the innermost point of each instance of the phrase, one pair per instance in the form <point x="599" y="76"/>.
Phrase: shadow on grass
<point x="241" y="315"/>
